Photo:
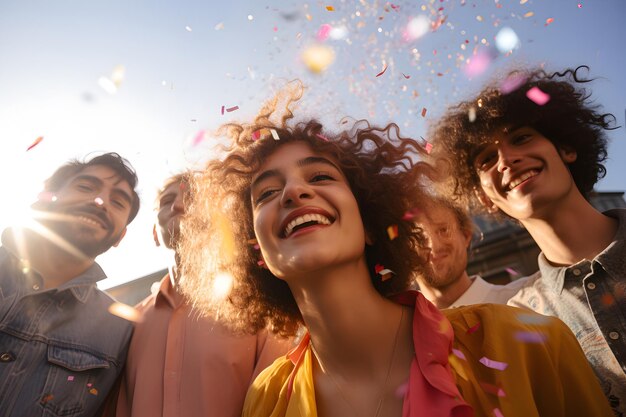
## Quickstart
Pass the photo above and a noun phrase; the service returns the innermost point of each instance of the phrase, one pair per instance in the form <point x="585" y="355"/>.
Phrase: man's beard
<point x="438" y="278"/>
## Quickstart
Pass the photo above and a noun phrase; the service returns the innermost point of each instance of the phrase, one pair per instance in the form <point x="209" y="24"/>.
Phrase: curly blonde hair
<point x="384" y="174"/>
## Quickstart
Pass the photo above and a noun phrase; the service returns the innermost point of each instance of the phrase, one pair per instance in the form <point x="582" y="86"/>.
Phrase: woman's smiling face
<point x="305" y="215"/>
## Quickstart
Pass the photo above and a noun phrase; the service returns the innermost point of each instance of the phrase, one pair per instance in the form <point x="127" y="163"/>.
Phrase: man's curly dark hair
<point x="569" y="120"/>
<point x="384" y="174"/>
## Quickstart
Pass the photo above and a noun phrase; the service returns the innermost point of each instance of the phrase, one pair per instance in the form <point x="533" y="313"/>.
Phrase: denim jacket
<point x="60" y="349"/>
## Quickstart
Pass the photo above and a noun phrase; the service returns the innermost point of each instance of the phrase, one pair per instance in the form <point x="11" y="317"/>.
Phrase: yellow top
<point x="506" y="362"/>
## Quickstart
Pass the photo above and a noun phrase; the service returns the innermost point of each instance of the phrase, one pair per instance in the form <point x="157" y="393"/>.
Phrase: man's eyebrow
<point x="99" y="183"/>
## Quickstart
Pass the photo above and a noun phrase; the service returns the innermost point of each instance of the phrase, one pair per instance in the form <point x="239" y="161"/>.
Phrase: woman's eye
<point x="483" y="162"/>
<point x="322" y="176"/>
<point x="521" y="138"/>
<point x="264" y="195"/>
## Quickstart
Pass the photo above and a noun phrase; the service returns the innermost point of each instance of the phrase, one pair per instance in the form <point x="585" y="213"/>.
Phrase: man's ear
<point x="155" y="235"/>
<point x="120" y="239"/>
<point x="568" y="154"/>
<point x="485" y="201"/>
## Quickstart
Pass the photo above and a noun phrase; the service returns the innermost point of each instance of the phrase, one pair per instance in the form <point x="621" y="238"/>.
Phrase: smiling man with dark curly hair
<point x="532" y="148"/>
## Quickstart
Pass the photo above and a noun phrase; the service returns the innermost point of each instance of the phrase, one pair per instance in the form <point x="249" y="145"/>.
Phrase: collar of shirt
<point x="168" y="294"/>
<point x="611" y="258"/>
<point x="477" y="290"/>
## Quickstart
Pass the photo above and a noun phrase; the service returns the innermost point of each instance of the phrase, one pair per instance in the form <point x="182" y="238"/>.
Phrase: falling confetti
<point x="223" y="109"/>
<point x="383" y="272"/>
<point x="511" y="271"/>
<point x="318" y="58"/>
<point x="512" y="83"/>
<point x="99" y="201"/>
<point x="330" y="8"/>
<point x="274" y="134"/>
<point x="478" y="64"/>
<point x="322" y="137"/>
<point x="323" y="32"/>
<point x="548" y="21"/>
<point x="46" y="398"/>
<point x="188" y="28"/>
<point x="537" y="96"/>
<point x="199" y="137"/>
<point x="580" y="6"/>
<point x="93" y="391"/>
<point x="471" y="114"/>
<point x="406" y="76"/>
<point x="473" y="328"/>
<point x="497" y="412"/>
<point x="35" y="143"/>
<point x="424" y="111"/>
<point x="392" y="231"/>
<point x="490" y="363"/>
<point x="70" y="378"/>
<point x="458" y="354"/>
<point x="416" y="28"/>
<point x="250" y="17"/>
<point x="529" y="14"/>
<point x="231" y="109"/>
<point x="219" y="26"/>
<point x="492" y="389"/>
<point x="507" y="40"/>
<point x="402" y="390"/>
<point x="411" y="214"/>
<point x="428" y="147"/>
<point x="382" y="72"/>
<point x="530" y="337"/>
<point x="125" y="311"/>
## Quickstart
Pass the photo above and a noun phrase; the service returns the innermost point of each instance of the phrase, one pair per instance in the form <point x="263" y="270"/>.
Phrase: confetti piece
<point x="308" y="17"/>
<point x="406" y="76"/>
<point x="324" y="32"/>
<point x="219" y="26"/>
<point x="250" y="17"/>
<point x="537" y="96"/>
<point x="416" y="28"/>
<point x="382" y="72"/>
<point x="523" y="1"/>
<point x="458" y="354"/>
<point x="222" y="110"/>
<point x="497" y="412"/>
<point x="424" y="111"/>
<point x="479" y="18"/>
<point x="260" y="262"/>
<point x="402" y="390"/>
<point x="125" y="311"/>
<point x="512" y="83"/>
<point x="511" y="271"/>
<point x="98" y="201"/>
<point x="46" y="398"/>
<point x="322" y="137"/>
<point x="478" y="64"/>
<point x="473" y="328"/>
<point x="70" y="378"/>
<point x="548" y="21"/>
<point x="533" y="319"/>
<point x="383" y="272"/>
<point x="188" y="28"/>
<point x="529" y="14"/>
<point x="330" y="8"/>
<point x="107" y="85"/>
<point x="231" y="109"/>
<point x="35" y="143"/>
<point x="530" y="337"/>
<point x="392" y="231"/>
<point x="490" y="363"/>
<point x="480" y="102"/>
<point x="256" y="135"/>
<point x="458" y="366"/>
<point x="492" y="389"/>
<point x="507" y="40"/>
<point x="471" y="114"/>
<point x="428" y="147"/>
<point x="580" y="6"/>
<point x="318" y="57"/>
<point x="93" y="391"/>
<point x="274" y="134"/>
<point x="199" y="137"/>
<point x="607" y="299"/>
<point x="338" y="33"/>
<point x="411" y="214"/>
<point x="89" y="384"/>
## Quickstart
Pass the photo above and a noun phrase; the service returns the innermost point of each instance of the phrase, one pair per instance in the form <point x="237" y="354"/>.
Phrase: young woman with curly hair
<point x="537" y="162"/>
<point x="336" y="251"/>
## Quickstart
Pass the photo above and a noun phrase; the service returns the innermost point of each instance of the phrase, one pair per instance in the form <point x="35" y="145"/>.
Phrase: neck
<point x="347" y="319"/>
<point x="445" y="296"/>
<point x="572" y="232"/>
<point x="55" y="265"/>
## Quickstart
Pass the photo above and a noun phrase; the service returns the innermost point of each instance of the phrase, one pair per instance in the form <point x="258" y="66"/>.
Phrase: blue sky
<point x="182" y="61"/>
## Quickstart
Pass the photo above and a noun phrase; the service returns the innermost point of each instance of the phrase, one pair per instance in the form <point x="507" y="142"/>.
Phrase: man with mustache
<point x="60" y="348"/>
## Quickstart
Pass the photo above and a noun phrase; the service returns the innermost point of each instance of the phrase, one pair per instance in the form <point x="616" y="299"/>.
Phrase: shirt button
<point x="614" y="335"/>
<point x="591" y="286"/>
<point x="576" y="271"/>
<point x="6" y="357"/>
<point x="36" y="287"/>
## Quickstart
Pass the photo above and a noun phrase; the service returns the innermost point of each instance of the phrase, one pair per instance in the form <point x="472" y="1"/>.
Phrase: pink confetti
<point x="402" y="390"/>
<point x="530" y="337"/>
<point x="512" y="83"/>
<point x="232" y="109"/>
<point x="497" y="412"/>
<point x="490" y="363"/>
<point x="473" y="328"/>
<point x="512" y="271"/>
<point x="35" y="143"/>
<point x="406" y="76"/>
<point x="580" y="6"/>
<point x="492" y="389"/>
<point x="548" y="21"/>
<point x="537" y="96"/>
<point x="410" y="214"/>
<point x="256" y="135"/>
<point x="428" y="147"/>
<point x="322" y="137"/>
<point x="382" y="72"/>
<point x="70" y="378"/>
<point x="458" y="354"/>
<point x="198" y="138"/>
<point x="222" y="109"/>
<point x="477" y="64"/>
<point x="323" y="32"/>
<point x="424" y="111"/>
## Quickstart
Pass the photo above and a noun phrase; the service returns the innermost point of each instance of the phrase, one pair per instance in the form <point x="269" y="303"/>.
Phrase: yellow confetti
<point x="523" y="1"/>
<point x="93" y="391"/>
<point x="318" y="57"/>
<point x="309" y="17"/>
<point x="529" y="14"/>
<point x="392" y="231"/>
<point x="458" y="366"/>
<point x="330" y="8"/>
<point x="479" y="18"/>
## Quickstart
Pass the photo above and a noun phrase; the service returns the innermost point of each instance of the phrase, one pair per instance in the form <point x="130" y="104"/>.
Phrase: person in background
<point x="180" y="364"/>
<point x="531" y="147"/>
<point x="445" y="282"/>
<point x="60" y="348"/>
<point x="308" y="211"/>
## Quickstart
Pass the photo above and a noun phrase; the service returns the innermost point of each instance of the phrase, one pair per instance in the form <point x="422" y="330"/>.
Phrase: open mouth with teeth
<point x="91" y="221"/>
<point x="307" y="220"/>
<point x="522" y="178"/>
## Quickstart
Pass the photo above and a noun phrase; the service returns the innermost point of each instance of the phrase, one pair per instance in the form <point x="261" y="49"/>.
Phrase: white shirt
<point x="482" y="291"/>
